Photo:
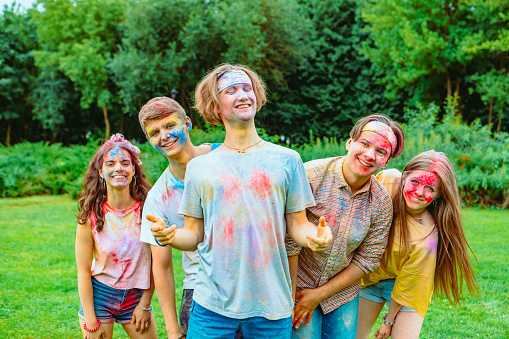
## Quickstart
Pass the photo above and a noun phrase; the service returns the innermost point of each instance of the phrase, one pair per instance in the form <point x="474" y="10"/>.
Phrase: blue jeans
<point x="338" y="324"/>
<point x="207" y="324"/>
<point x="185" y="311"/>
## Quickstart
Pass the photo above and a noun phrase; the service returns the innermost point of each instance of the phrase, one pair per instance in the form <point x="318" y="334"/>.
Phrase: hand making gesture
<point x="323" y="236"/>
<point x="163" y="235"/>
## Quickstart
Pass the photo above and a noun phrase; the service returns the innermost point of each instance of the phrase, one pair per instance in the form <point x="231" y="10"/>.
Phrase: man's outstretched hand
<point x="163" y="235"/>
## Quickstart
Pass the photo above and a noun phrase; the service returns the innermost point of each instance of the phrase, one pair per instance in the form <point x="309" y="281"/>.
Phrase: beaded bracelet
<point x="146" y="309"/>
<point x="387" y="322"/>
<point x="92" y="329"/>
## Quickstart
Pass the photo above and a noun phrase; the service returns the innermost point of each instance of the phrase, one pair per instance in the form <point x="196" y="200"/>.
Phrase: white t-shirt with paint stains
<point x="163" y="201"/>
<point x="243" y="198"/>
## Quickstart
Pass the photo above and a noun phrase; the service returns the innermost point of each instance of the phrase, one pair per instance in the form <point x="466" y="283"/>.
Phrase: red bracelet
<point x="92" y="329"/>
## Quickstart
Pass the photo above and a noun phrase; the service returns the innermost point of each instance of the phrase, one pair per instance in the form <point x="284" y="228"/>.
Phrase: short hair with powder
<point x="207" y="95"/>
<point x="356" y="131"/>
<point x="158" y="108"/>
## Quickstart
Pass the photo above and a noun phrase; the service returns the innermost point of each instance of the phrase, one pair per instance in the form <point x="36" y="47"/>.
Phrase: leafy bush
<point x="480" y="160"/>
<point x="321" y="148"/>
<point x="40" y="168"/>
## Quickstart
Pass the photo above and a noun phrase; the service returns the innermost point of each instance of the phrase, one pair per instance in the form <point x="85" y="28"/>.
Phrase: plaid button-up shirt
<point x="359" y="222"/>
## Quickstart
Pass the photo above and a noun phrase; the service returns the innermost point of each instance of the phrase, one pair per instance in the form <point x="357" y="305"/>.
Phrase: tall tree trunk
<point x="8" y="136"/>
<point x="122" y="124"/>
<point x="502" y="62"/>
<point x="106" y="122"/>
<point x="449" y="85"/>
<point x="457" y="91"/>
<point x="499" y="125"/>
<point x="490" y="114"/>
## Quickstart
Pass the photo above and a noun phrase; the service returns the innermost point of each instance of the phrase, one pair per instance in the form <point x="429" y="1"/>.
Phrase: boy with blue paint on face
<point x="167" y="128"/>
<point x="239" y="202"/>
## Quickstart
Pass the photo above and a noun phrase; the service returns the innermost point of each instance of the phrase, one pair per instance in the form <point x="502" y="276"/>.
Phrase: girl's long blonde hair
<point x="453" y="263"/>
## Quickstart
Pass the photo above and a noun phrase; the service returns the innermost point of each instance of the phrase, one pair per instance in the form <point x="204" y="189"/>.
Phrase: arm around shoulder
<point x="367" y="255"/>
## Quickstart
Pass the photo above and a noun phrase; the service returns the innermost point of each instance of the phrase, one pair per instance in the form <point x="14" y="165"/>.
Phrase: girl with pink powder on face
<point x="114" y="268"/>
<point x="427" y="249"/>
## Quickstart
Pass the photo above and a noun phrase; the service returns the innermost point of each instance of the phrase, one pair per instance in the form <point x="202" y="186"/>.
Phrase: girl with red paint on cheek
<point x="427" y="249"/>
<point x="114" y="268"/>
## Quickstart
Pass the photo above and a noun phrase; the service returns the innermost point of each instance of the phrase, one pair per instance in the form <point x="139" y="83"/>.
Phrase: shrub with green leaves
<point x="40" y="168"/>
<point x="480" y="159"/>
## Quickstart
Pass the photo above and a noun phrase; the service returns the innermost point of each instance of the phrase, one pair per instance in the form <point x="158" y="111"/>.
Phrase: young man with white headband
<point x="359" y="212"/>
<point x="239" y="201"/>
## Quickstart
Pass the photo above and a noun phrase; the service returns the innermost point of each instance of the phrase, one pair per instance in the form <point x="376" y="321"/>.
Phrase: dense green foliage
<point x="336" y="85"/>
<point x="170" y="44"/>
<point x="17" y="70"/>
<point x="38" y="282"/>
<point x="434" y="49"/>
<point x="326" y="63"/>
<point x="481" y="161"/>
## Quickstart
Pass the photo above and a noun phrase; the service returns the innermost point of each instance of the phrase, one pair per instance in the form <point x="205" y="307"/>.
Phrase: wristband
<point x="146" y="309"/>
<point x="387" y="322"/>
<point x="158" y="243"/>
<point x="92" y="329"/>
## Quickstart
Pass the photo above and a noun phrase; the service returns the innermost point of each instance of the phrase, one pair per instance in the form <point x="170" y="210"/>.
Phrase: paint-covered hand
<point x="308" y="300"/>
<point x="163" y="235"/>
<point x="141" y="318"/>
<point x="383" y="332"/>
<point x="323" y="237"/>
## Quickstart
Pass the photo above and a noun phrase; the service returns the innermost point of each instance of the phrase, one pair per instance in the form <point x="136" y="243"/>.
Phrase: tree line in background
<point x="71" y="70"/>
<point x="480" y="159"/>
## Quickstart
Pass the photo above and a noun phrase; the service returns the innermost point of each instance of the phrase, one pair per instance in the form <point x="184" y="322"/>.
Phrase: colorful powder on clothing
<point x="261" y="183"/>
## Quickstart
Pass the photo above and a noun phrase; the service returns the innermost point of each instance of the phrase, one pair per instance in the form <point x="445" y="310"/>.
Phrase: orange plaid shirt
<point x="360" y="226"/>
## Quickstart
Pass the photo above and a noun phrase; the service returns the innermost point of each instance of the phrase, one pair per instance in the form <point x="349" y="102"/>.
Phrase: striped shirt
<point x="359" y="222"/>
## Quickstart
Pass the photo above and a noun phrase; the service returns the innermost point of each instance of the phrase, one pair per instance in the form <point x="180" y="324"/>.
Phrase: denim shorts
<point x="381" y="293"/>
<point x="112" y="305"/>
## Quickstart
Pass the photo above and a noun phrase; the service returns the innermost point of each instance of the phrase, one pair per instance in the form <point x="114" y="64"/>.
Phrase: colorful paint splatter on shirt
<point x="243" y="199"/>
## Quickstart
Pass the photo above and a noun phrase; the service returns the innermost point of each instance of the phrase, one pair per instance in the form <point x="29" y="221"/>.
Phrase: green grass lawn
<point x="39" y="295"/>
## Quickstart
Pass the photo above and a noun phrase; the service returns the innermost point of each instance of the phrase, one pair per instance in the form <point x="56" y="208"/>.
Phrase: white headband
<point x="231" y="78"/>
<point x="383" y="130"/>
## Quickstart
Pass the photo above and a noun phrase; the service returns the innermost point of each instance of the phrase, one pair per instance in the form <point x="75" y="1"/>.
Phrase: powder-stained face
<point x="117" y="169"/>
<point x="368" y="154"/>
<point x="237" y="103"/>
<point x="168" y="135"/>
<point x="420" y="189"/>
